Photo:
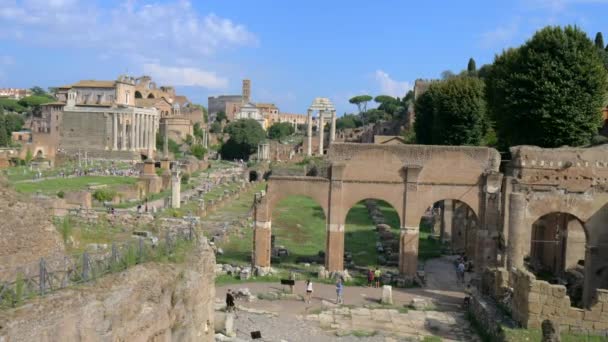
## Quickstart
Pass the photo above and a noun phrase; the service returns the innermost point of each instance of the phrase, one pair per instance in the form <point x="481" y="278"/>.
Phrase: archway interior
<point x="298" y="231"/>
<point x="371" y="235"/>
<point x="253" y="176"/>
<point x="448" y="226"/>
<point x="557" y="252"/>
<point x="151" y="96"/>
<point x="138" y="95"/>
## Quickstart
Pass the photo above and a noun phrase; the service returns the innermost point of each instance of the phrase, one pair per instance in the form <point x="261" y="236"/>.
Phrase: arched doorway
<point x="253" y="176"/>
<point x="138" y="95"/>
<point x="371" y="237"/>
<point x="298" y="231"/>
<point x="448" y="226"/>
<point x="151" y="96"/>
<point x="557" y="252"/>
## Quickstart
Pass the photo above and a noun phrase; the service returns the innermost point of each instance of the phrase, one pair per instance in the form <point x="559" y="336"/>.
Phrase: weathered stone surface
<point x="387" y="295"/>
<point x="162" y="302"/>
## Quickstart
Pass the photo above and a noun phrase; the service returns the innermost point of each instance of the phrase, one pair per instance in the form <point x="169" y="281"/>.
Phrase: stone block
<point x="576" y="314"/>
<point x="535" y="308"/>
<point x="600" y="326"/>
<point x="548" y="310"/>
<point x="387" y="295"/>
<point x="602" y="295"/>
<point x="534" y="297"/>
<point x="559" y="291"/>
<point x="592" y="316"/>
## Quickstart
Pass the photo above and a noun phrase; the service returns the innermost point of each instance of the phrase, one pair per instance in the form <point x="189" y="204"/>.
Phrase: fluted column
<point x="309" y="133"/>
<point x="115" y="131"/>
<point x="321" y="133"/>
<point x="332" y="135"/>
<point x="154" y="128"/>
<point x="132" y="143"/>
<point x="141" y="131"/>
<point x="123" y="124"/>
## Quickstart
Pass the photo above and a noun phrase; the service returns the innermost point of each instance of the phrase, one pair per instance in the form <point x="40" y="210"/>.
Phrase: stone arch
<point x="151" y="96"/>
<point x="39" y="154"/>
<point x="281" y="187"/>
<point x="360" y="237"/>
<point x="371" y="192"/>
<point x="138" y="94"/>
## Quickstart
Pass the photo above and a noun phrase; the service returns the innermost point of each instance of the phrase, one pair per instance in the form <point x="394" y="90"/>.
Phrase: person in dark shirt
<point x="229" y="301"/>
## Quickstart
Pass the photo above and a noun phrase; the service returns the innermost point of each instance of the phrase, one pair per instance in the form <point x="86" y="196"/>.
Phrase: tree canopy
<point x="221" y="116"/>
<point x="548" y="92"/>
<point x="280" y="130"/>
<point x="348" y="121"/>
<point x="245" y="135"/>
<point x="471" y="67"/>
<point x="452" y="112"/>
<point x="599" y="40"/>
<point x="361" y="102"/>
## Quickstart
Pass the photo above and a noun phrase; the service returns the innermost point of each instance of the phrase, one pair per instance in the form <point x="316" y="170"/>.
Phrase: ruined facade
<point x="546" y="213"/>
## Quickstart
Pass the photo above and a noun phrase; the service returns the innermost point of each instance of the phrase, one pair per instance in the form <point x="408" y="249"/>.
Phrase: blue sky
<point x="293" y="51"/>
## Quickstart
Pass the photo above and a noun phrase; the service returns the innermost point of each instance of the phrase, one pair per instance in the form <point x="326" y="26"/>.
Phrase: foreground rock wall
<point x="26" y="234"/>
<point x="150" y="302"/>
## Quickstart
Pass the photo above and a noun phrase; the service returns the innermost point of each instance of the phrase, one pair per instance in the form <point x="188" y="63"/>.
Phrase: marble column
<point x="321" y="133"/>
<point x="140" y="123"/>
<point x="132" y="140"/>
<point x="123" y="124"/>
<point x="115" y="131"/>
<point x="332" y="135"/>
<point x="154" y="129"/>
<point x="309" y="134"/>
<point x="136" y="125"/>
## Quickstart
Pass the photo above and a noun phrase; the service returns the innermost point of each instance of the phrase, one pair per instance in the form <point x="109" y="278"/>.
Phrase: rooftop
<point x="94" y="84"/>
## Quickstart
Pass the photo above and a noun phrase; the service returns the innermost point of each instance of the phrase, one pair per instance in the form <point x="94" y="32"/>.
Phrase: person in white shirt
<point x="308" y="290"/>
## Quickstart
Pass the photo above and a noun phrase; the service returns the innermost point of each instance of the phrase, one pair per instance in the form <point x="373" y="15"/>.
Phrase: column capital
<point x="410" y="229"/>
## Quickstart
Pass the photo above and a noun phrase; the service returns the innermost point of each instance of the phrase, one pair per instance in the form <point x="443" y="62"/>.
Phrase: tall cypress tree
<point x="599" y="40"/>
<point x="3" y="134"/>
<point x="471" y="67"/>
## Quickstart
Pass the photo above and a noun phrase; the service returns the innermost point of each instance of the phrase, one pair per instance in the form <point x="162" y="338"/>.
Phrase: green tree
<point x="245" y="135"/>
<point x="280" y="130"/>
<point x="104" y="195"/>
<point x="361" y="102"/>
<point x="548" y="92"/>
<point x="375" y="115"/>
<point x="348" y="121"/>
<point x="189" y="140"/>
<point x="13" y="123"/>
<point x="221" y="116"/>
<point x="216" y="127"/>
<point x="599" y="41"/>
<point x="423" y="126"/>
<point x="11" y="105"/>
<point x="472" y="67"/>
<point x="38" y="91"/>
<point x="34" y="100"/>
<point x="4" y="140"/>
<point x="198" y="151"/>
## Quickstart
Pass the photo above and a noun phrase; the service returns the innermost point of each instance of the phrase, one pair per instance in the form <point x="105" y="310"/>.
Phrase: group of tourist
<point x="373" y="277"/>
<point x="339" y="291"/>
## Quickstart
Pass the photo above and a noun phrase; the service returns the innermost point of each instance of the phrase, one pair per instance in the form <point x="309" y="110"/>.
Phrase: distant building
<point x="250" y="111"/>
<point x="216" y="104"/>
<point x="15" y="93"/>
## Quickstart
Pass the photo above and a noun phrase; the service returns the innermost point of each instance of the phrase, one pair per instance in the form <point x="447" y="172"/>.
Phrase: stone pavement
<point x="363" y="318"/>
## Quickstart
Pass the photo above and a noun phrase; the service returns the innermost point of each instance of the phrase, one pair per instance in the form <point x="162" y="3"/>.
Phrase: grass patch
<point x="52" y="186"/>
<point x="427" y="249"/>
<point x="431" y="339"/>
<point x="364" y="333"/>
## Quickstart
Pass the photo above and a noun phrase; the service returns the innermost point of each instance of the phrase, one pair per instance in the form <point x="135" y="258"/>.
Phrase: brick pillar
<point x="261" y="241"/>
<point x="334" y="254"/>
<point x="408" y="251"/>
<point x="518" y="232"/>
<point x="447" y="217"/>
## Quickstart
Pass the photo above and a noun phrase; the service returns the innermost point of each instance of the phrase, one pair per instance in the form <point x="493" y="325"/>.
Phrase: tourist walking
<point x="377" y="275"/>
<point x="370" y="277"/>
<point x="229" y="301"/>
<point x="460" y="272"/>
<point x="339" y="291"/>
<point x="308" y="291"/>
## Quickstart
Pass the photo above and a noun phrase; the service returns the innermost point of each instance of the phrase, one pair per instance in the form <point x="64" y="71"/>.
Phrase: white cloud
<point x="6" y="60"/>
<point x="184" y="76"/>
<point x="134" y="27"/>
<point x="501" y="35"/>
<point x="391" y="87"/>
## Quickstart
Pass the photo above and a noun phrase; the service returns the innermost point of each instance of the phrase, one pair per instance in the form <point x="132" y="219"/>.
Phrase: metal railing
<point x="51" y="274"/>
